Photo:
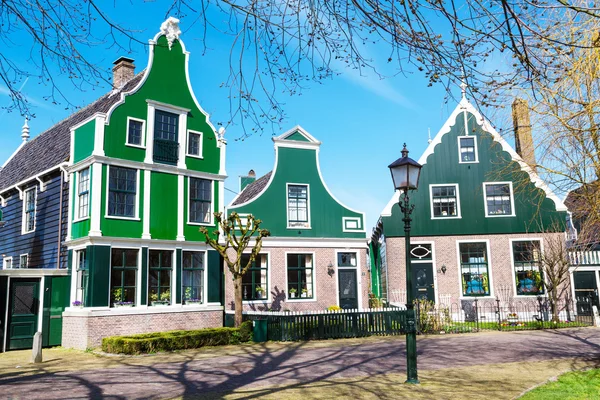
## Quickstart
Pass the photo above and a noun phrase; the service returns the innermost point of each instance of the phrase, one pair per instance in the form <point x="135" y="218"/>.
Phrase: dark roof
<point x="52" y="147"/>
<point x="252" y="190"/>
<point x="583" y="205"/>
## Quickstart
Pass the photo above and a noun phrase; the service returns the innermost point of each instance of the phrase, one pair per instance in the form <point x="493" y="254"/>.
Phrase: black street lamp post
<point x="405" y="174"/>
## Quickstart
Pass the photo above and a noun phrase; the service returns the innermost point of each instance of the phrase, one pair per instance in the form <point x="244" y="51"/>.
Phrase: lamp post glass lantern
<point x="405" y="175"/>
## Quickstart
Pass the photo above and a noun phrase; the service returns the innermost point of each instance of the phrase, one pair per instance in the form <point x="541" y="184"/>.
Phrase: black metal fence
<point x="317" y="325"/>
<point x="477" y="315"/>
<point x="467" y="316"/>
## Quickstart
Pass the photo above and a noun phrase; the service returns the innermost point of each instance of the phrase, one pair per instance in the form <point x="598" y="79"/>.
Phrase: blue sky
<point x="362" y="121"/>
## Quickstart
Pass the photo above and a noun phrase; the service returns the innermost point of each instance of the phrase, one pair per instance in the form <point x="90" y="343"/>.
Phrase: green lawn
<point x="580" y="385"/>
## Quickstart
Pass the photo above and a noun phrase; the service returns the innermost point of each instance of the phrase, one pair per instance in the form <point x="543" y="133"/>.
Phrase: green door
<point x="56" y="299"/>
<point x="422" y="280"/>
<point x="348" y="288"/>
<point x="586" y="291"/>
<point x="23" y="309"/>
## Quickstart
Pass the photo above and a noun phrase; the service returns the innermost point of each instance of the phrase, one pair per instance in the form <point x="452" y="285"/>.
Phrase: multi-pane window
<point x="474" y="269"/>
<point x="300" y="275"/>
<point x="346" y="259"/>
<point x="160" y="263"/>
<point x="498" y="199"/>
<point x="194" y="144"/>
<point x="82" y="275"/>
<point x="29" y="210"/>
<point x="122" y="187"/>
<point x="444" y="201"/>
<point x="467" y="149"/>
<point x="297" y="205"/>
<point x="84" y="193"/>
<point x="528" y="272"/>
<point x="166" y="148"/>
<point x="24" y="261"/>
<point x="255" y="283"/>
<point x="123" y="276"/>
<point x="193" y="277"/>
<point x="135" y="132"/>
<point x="200" y="200"/>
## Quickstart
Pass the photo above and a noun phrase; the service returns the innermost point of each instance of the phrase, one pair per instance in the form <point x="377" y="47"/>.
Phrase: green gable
<point x="297" y="165"/>
<point x="534" y="207"/>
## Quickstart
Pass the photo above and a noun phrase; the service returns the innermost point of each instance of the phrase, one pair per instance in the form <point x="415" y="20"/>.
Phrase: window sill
<point x="201" y="223"/>
<point x="137" y="146"/>
<point x="122" y="218"/>
<point x="477" y="298"/>
<point x="106" y="311"/>
<point x="448" y="217"/>
<point x="530" y="296"/>
<point x="263" y="301"/>
<point x="195" y="156"/>
<point x="80" y="220"/>
<point x="500" y="216"/>
<point x="301" y="300"/>
<point x="299" y="227"/>
<point x="468" y="162"/>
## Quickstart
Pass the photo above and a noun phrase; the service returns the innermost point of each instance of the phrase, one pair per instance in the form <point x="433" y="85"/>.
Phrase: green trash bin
<point x="259" y="330"/>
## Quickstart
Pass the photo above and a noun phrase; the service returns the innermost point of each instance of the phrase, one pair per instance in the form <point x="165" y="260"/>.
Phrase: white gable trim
<point x="300" y="130"/>
<point x="466" y="106"/>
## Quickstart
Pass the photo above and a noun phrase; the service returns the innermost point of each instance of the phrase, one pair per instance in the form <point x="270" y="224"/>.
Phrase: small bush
<point x="177" y="340"/>
<point x="334" y="308"/>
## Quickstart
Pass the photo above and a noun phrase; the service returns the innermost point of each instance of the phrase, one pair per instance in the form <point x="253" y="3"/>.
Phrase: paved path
<point x="301" y="362"/>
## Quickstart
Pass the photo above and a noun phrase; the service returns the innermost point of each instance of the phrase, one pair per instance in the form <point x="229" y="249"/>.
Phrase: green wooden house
<point x="481" y="221"/>
<point x="146" y="171"/>
<point x="316" y="255"/>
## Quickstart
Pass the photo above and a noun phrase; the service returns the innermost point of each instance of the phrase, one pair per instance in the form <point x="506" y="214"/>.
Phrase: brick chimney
<point x="123" y="72"/>
<point x="248" y="179"/>
<point x="523" y="137"/>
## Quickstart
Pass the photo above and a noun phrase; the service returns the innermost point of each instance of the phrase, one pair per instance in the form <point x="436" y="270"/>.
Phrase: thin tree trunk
<point x="237" y="284"/>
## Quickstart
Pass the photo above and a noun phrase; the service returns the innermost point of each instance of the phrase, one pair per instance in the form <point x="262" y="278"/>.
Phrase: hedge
<point x="177" y="340"/>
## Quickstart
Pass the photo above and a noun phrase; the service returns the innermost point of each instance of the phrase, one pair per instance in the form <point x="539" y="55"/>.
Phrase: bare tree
<point x="555" y="265"/>
<point x="238" y="236"/>
<point x="280" y="47"/>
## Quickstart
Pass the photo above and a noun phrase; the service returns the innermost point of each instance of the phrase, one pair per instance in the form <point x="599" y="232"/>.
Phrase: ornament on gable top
<point x="170" y="28"/>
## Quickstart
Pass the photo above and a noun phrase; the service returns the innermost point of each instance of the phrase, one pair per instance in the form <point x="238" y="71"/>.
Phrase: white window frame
<point x="212" y="202"/>
<point x="181" y="130"/>
<point x="458" y="213"/>
<point x="137" y="195"/>
<point x="315" y="279"/>
<point x="143" y="138"/>
<point x="349" y="220"/>
<point x="512" y="265"/>
<point x="187" y="143"/>
<point x="173" y="286"/>
<point x="138" y="276"/>
<point x="6" y="260"/>
<point x="204" y="276"/>
<point x="77" y="218"/>
<point x="78" y="277"/>
<point x="268" y="299"/>
<point x="489" y="264"/>
<point x="21" y="260"/>
<point x="460" y="161"/>
<point x="23" y="215"/>
<point x="287" y="206"/>
<point x="512" y="199"/>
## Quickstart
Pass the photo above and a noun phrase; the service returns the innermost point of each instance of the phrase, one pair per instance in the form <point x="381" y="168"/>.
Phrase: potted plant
<point x="164" y="299"/>
<point x="512" y="318"/>
<point x="188" y="297"/>
<point x="293" y="292"/>
<point x="77" y="304"/>
<point x="119" y="299"/>
<point x="260" y="291"/>
<point x="305" y="292"/>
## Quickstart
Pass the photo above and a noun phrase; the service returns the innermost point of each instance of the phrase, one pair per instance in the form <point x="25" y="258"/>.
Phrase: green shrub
<point x="177" y="340"/>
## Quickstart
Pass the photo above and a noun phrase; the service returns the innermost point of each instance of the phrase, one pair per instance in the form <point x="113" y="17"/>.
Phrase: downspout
<point x="60" y="217"/>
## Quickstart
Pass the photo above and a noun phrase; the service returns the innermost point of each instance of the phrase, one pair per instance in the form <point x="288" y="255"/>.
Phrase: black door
<point x="348" y="288"/>
<point x="586" y="291"/>
<point x="422" y="280"/>
<point x="23" y="313"/>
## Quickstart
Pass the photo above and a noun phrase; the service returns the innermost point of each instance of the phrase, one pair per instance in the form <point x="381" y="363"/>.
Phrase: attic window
<point x="467" y="149"/>
<point x="29" y="199"/>
<point x="298" y="207"/>
<point x="498" y="199"/>
<point x="135" y="132"/>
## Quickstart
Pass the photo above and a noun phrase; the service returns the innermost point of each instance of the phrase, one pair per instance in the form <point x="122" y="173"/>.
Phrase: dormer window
<point x="135" y="132"/>
<point x="467" y="149"/>
<point x="298" y="206"/>
<point x="166" y="146"/>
